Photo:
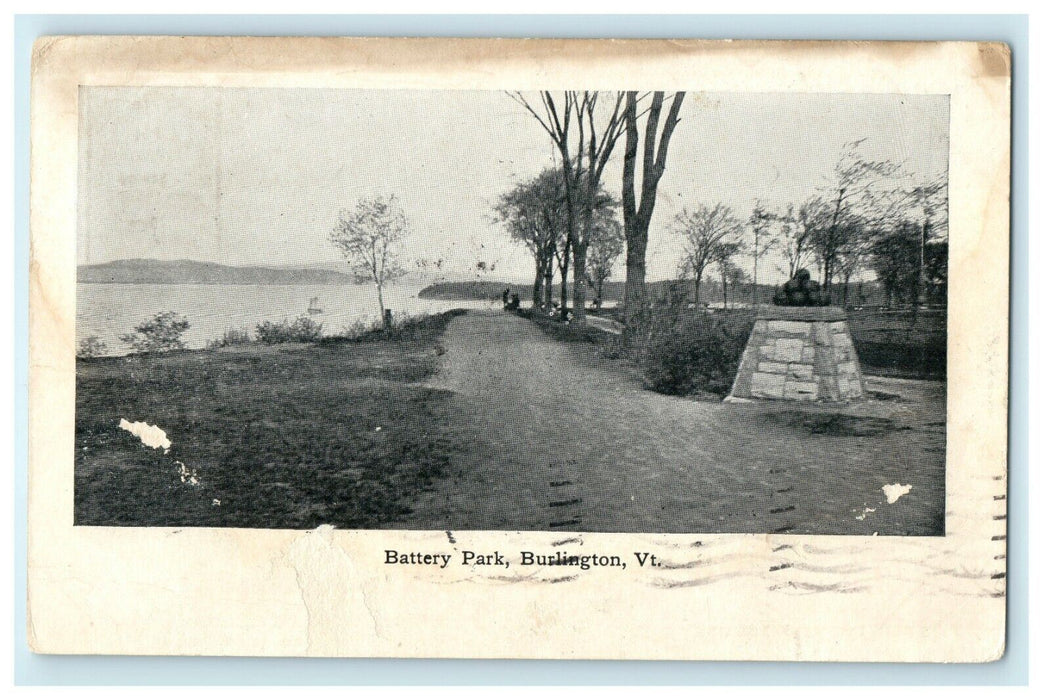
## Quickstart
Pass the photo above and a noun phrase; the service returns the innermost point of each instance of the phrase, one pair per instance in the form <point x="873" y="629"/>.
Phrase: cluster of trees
<point x="537" y="214"/>
<point x="584" y="128"/>
<point x="713" y="238"/>
<point x="865" y="220"/>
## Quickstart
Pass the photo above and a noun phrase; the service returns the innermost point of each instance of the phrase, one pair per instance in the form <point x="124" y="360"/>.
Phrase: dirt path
<point x="564" y="442"/>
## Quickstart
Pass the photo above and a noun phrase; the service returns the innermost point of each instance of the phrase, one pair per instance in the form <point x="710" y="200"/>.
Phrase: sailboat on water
<point x="315" y="306"/>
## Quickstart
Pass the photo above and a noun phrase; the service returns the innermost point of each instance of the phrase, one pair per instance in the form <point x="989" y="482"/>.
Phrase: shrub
<point x="358" y="329"/>
<point x="161" y="333"/>
<point x="232" y="336"/>
<point x="301" y="330"/>
<point x="90" y="347"/>
<point x="689" y="353"/>
<point x="420" y="327"/>
<point x="405" y="328"/>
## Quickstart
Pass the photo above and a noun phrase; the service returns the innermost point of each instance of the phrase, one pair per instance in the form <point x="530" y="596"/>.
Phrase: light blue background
<point x="1012" y="669"/>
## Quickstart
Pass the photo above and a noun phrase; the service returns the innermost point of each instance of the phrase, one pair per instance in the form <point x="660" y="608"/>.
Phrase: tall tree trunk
<point x="382" y="308"/>
<point x="832" y="250"/>
<point x="754" y="276"/>
<point x="579" y="284"/>
<point x="696" y="292"/>
<point x="636" y="232"/>
<point x="638" y="213"/>
<point x="564" y="308"/>
<point x="572" y="227"/>
<point x="700" y="284"/>
<point x="635" y="298"/>
<point x="921" y="297"/>
<point x="725" y="293"/>
<point x="579" y="258"/>
<point x="548" y="283"/>
<point x="537" y="285"/>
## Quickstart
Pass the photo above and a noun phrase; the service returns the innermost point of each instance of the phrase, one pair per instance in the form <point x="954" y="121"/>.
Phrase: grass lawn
<point x="285" y="436"/>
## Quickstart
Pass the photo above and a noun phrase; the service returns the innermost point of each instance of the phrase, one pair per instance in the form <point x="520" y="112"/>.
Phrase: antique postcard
<point x="519" y="348"/>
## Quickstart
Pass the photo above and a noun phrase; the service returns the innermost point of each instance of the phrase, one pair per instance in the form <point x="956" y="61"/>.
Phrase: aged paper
<point x="676" y="593"/>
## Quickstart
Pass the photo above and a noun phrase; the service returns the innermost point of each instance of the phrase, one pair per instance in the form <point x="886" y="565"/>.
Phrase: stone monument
<point x="800" y="349"/>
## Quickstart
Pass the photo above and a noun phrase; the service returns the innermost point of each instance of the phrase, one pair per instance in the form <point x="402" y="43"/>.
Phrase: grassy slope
<point x="288" y="436"/>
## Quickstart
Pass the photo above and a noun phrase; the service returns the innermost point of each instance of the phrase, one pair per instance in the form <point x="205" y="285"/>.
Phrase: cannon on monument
<point x="800" y="349"/>
<point x="800" y="290"/>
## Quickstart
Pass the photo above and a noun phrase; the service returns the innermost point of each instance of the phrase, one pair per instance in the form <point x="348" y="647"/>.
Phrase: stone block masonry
<point x="799" y="354"/>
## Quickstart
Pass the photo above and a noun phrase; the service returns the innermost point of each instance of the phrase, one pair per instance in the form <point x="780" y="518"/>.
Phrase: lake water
<point x="111" y="310"/>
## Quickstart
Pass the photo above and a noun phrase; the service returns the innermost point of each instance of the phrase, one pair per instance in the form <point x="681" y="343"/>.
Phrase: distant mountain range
<point x="148" y="271"/>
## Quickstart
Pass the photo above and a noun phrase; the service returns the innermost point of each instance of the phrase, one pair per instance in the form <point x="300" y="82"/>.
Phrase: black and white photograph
<point x="521" y="349"/>
<point x="611" y="311"/>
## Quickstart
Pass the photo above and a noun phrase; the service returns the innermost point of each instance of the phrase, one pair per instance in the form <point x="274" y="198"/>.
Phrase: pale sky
<point x="258" y="176"/>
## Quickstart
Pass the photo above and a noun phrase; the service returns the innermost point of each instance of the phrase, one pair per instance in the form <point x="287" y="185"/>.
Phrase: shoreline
<point x="367" y="332"/>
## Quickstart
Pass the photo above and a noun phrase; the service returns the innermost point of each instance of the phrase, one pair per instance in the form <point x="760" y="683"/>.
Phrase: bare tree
<point x="892" y="259"/>
<point x="555" y="118"/>
<point x="606" y="246"/>
<point x="704" y="230"/>
<point x="791" y="237"/>
<point x="563" y="258"/>
<point x="763" y="238"/>
<point x="853" y="254"/>
<point x="855" y="193"/>
<point x="369" y="237"/>
<point x="584" y="126"/>
<point x="638" y="213"/>
<point x="932" y="201"/>
<point x="723" y="255"/>
<point x="799" y="228"/>
<point x="908" y="245"/>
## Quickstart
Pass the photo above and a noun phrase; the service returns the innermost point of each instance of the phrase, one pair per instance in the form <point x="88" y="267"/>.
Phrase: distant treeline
<point x="146" y="271"/>
<point x="868" y="293"/>
<point x="485" y="291"/>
